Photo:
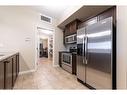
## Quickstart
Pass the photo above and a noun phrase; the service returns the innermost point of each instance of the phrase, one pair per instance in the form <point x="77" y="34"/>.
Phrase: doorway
<point x="44" y="45"/>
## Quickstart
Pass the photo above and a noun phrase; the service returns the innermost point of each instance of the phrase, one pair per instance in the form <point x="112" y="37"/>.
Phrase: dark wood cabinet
<point x="2" y="75"/>
<point x="71" y="28"/>
<point x="17" y="64"/>
<point x="60" y="58"/>
<point x="8" y="73"/>
<point x="91" y="21"/>
<point x="14" y="69"/>
<point x="88" y="22"/>
<point x="67" y="30"/>
<point x="9" y="69"/>
<point x="108" y="13"/>
<point x="74" y="64"/>
<point x="111" y="12"/>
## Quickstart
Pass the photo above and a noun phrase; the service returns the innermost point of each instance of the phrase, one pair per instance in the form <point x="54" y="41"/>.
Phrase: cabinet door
<point x="91" y="21"/>
<point x="109" y="13"/>
<point x="88" y="22"/>
<point x="67" y="29"/>
<point x="60" y="58"/>
<point x="14" y="69"/>
<point x="73" y="27"/>
<point x="81" y="25"/>
<point x="1" y="75"/>
<point x="8" y="73"/>
<point x="17" y="65"/>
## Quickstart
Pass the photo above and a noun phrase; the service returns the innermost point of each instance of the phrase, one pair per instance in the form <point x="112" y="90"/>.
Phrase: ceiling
<point x="52" y="11"/>
<point x="81" y="14"/>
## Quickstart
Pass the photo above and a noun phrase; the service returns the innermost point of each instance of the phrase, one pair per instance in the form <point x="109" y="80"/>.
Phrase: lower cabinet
<point x="14" y="70"/>
<point x="9" y="69"/>
<point x="17" y="65"/>
<point x="2" y="75"/>
<point x="60" y="58"/>
<point x="8" y="73"/>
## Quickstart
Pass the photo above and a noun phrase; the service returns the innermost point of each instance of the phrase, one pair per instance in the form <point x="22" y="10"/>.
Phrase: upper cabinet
<point x="91" y="21"/>
<point x="71" y="28"/>
<point x="111" y="12"/>
<point x="88" y="22"/>
<point x="108" y="13"/>
<point x="70" y="32"/>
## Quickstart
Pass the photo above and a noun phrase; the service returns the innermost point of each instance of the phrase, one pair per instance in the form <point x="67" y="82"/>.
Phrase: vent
<point x="46" y="18"/>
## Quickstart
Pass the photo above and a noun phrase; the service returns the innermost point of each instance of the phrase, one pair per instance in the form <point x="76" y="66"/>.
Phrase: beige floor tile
<point x="48" y="77"/>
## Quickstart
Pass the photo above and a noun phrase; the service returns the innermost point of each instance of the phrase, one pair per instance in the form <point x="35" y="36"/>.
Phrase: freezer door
<point x="80" y="54"/>
<point x="99" y="53"/>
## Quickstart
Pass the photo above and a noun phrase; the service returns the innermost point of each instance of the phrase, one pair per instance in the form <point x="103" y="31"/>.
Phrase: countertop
<point x="4" y="55"/>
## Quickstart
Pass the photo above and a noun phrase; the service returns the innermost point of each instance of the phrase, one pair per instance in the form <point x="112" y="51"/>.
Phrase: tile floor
<point x="48" y="77"/>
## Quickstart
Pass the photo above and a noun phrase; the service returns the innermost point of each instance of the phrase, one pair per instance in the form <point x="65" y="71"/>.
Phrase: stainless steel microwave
<point x="71" y="39"/>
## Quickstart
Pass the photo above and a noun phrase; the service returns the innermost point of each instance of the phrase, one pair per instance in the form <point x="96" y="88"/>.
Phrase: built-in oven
<point x="71" y="39"/>
<point x="68" y="62"/>
<point x="67" y="59"/>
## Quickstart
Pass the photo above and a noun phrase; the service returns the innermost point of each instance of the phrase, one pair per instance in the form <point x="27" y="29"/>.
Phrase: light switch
<point x="28" y="39"/>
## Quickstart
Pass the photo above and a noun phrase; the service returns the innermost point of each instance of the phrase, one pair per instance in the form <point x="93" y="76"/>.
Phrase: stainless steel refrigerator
<point x="96" y="67"/>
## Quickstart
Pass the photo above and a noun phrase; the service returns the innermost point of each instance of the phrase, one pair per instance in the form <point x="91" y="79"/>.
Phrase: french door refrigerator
<point x="96" y="65"/>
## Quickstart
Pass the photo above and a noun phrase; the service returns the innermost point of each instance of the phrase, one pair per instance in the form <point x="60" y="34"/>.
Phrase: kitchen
<point x="97" y="51"/>
<point x="73" y="43"/>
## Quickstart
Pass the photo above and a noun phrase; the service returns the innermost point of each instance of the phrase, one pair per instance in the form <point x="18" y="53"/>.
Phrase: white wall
<point x="121" y="47"/>
<point x="58" y="45"/>
<point x="18" y="24"/>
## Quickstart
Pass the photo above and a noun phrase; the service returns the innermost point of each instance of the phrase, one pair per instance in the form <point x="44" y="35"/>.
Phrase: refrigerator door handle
<point x="83" y="50"/>
<point x="86" y="39"/>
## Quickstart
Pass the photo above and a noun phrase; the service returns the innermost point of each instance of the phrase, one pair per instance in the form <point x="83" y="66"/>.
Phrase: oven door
<point x="67" y="59"/>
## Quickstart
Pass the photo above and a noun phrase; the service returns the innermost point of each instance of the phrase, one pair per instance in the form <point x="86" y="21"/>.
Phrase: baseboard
<point x="30" y="71"/>
<point x="26" y="72"/>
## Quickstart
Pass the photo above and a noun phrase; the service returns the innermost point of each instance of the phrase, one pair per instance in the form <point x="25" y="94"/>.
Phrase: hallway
<point x="48" y="77"/>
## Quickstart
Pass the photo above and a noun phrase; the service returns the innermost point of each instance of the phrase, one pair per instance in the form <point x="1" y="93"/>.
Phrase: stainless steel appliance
<point x="95" y="55"/>
<point x="71" y="39"/>
<point x="67" y="59"/>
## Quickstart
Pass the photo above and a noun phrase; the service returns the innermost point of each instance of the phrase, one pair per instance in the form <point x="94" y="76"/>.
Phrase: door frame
<point x="37" y="45"/>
